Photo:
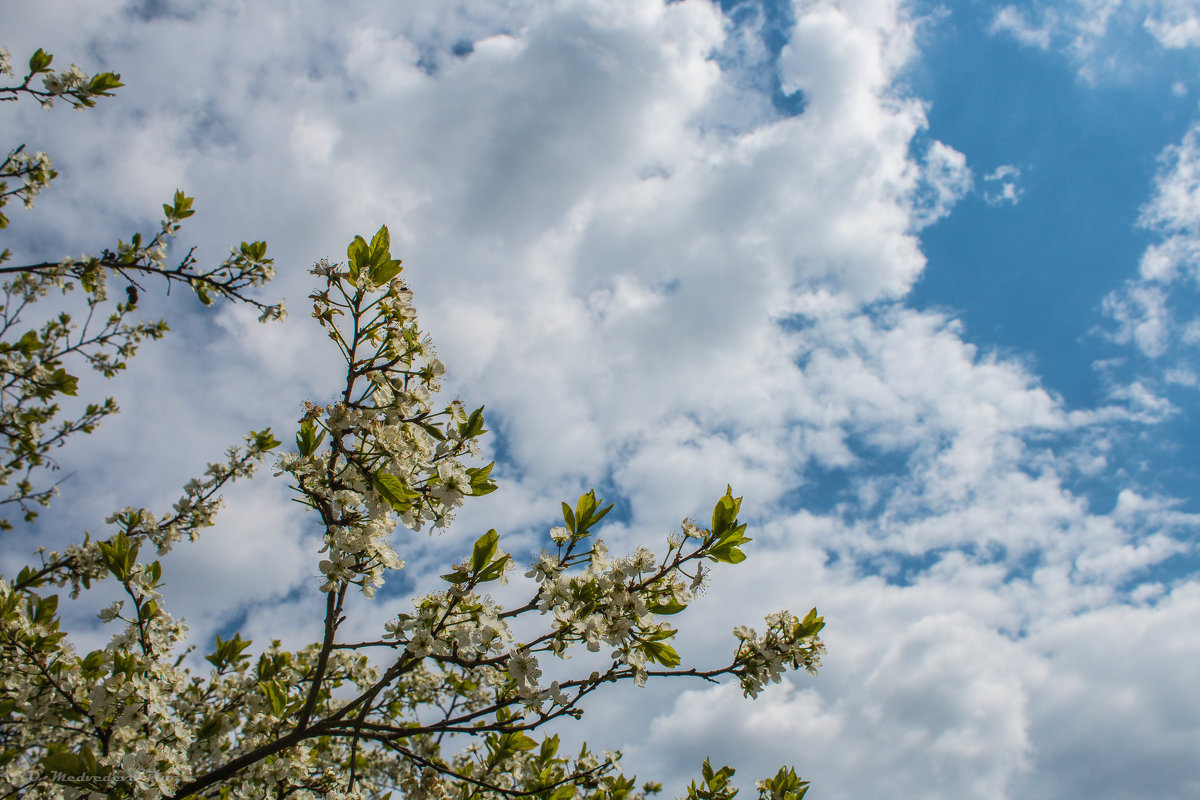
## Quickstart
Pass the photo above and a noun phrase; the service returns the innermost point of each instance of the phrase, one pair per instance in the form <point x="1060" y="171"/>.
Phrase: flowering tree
<point x="448" y="700"/>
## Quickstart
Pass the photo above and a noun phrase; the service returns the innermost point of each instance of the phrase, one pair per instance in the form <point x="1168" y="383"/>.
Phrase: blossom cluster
<point x="71" y="81"/>
<point x="789" y="643"/>
<point x="390" y="457"/>
<point x="32" y="172"/>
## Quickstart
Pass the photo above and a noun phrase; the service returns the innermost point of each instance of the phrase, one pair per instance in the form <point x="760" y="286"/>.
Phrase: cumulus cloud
<point x="657" y="286"/>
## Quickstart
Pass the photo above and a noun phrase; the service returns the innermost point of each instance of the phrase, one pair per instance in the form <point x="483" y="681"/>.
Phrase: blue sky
<point x="918" y="280"/>
<point x="1029" y="279"/>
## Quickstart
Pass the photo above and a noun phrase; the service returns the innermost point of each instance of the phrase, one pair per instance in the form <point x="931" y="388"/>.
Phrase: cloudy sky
<point x="918" y="280"/>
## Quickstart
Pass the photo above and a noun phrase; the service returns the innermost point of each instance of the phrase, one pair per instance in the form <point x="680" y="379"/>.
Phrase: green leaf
<point x="104" y="83"/>
<point x="229" y="652"/>
<point x="29" y="344"/>
<point x="657" y="636"/>
<point x="480" y="485"/>
<point x="786" y="785"/>
<point x="727" y="535"/>
<point x="485" y="548"/>
<point x="672" y="606"/>
<point x="181" y="208"/>
<point x="568" y="517"/>
<point x="90" y="765"/>
<point x="64" y="382"/>
<point x="92" y="665"/>
<point x="381" y="244"/>
<point x="309" y="437"/>
<point x="549" y="747"/>
<point x="519" y="741"/>
<point x="393" y="490"/>
<point x="725" y="512"/>
<point x="583" y="508"/>
<point x="726" y="553"/>
<point x="383" y="273"/>
<point x="599" y="515"/>
<point x="39" y="61"/>
<point x="381" y="264"/>
<point x="275" y="695"/>
<point x="358" y="258"/>
<point x="65" y="764"/>
<point x="473" y="426"/>
<point x="586" y="514"/>
<point x="118" y="556"/>
<point x="811" y="625"/>
<point x="255" y="251"/>
<point x="434" y="431"/>
<point x="493" y="570"/>
<point x="45" y="609"/>
<point x="662" y="653"/>
<point x="265" y="440"/>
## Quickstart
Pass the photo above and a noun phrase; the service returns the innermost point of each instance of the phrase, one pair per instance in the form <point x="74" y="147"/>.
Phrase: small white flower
<point x="112" y="612"/>
<point x="421" y="644"/>
<point x="547" y="566"/>
<point x="523" y="667"/>
<point x="556" y="694"/>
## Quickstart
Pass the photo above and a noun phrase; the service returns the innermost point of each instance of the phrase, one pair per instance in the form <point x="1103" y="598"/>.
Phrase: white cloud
<point x="1143" y="309"/>
<point x="1101" y="37"/>
<point x="655" y="286"/>
<point x="1012" y="20"/>
<point x="1001" y="186"/>
<point x="1142" y="317"/>
<point x="1175" y="24"/>
<point x="947" y="179"/>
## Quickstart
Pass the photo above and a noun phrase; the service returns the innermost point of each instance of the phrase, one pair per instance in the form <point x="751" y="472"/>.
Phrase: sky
<point x="919" y="280"/>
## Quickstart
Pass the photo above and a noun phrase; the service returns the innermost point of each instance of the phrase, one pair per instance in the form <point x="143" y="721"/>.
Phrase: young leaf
<point x="493" y="570"/>
<point x="671" y="606"/>
<point x="725" y="512"/>
<point x="392" y="490"/>
<point x="480" y="485"/>
<point x="484" y="549"/>
<point x="104" y="82"/>
<point x="308" y="439"/>
<point x="811" y="625"/>
<point x="265" y="440"/>
<point x="662" y="653"/>
<point x="358" y="256"/>
<point x="39" y="61"/>
<point x="381" y="244"/>
<point x="473" y="426"/>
